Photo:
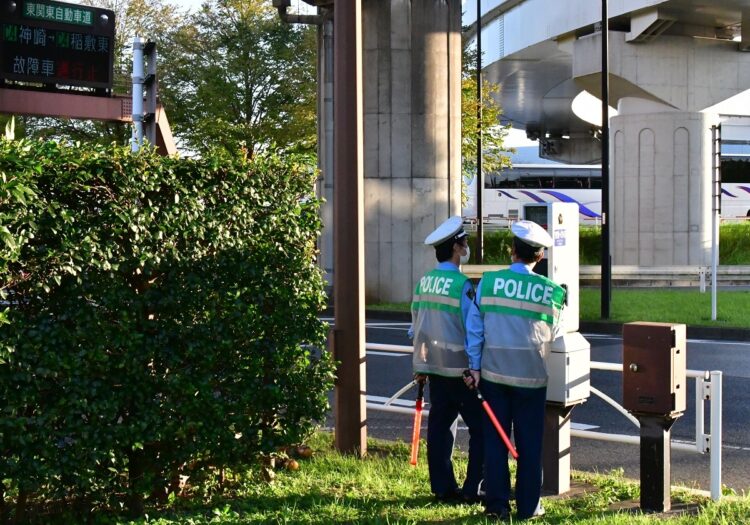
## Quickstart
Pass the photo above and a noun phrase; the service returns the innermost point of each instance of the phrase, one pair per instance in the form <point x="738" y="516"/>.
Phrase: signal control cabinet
<point x="654" y="372"/>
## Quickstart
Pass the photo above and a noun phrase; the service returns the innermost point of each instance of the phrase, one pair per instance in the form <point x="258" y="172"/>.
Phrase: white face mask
<point x="465" y="258"/>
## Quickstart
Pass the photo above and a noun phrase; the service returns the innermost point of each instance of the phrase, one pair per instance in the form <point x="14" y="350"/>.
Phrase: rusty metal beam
<point x="164" y="140"/>
<point x="66" y="105"/>
<point x="348" y="234"/>
<point x="117" y="108"/>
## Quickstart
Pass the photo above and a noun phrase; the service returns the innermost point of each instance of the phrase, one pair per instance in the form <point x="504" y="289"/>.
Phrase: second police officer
<point x="441" y="304"/>
<point x="517" y="319"/>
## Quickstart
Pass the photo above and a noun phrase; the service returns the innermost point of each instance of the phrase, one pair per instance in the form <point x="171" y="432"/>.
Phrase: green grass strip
<point x="384" y="489"/>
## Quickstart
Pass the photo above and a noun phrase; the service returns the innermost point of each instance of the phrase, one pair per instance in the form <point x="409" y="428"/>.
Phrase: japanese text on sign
<point x="57" y="13"/>
<point x="56" y="44"/>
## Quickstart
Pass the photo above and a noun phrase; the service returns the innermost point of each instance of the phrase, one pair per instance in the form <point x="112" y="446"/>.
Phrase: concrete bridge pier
<point x="661" y="184"/>
<point x="667" y="92"/>
<point x="412" y="138"/>
<point x="412" y="130"/>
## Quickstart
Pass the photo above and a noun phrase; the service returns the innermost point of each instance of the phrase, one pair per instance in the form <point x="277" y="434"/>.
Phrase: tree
<point x="494" y="156"/>
<point x="237" y="75"/>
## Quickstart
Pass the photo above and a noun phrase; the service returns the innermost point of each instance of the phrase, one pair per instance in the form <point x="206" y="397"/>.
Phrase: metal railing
<point x="708" y="388"/>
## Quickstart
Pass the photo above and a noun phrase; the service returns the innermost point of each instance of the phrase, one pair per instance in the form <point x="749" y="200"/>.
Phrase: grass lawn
<point x="654" y="304"/>
<point x="670" y="306"/>
<point x="385" y="489"/>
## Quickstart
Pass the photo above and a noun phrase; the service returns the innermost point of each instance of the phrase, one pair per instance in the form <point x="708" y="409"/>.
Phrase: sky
<point x="190" y="4"/>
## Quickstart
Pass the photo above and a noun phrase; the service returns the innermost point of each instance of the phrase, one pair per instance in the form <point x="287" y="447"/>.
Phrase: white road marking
<point x="582" y="426"/>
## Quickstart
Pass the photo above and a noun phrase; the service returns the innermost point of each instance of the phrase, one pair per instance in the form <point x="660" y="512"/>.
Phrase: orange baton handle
<point x="417" y="425"/>
<point x="495" y="422"/>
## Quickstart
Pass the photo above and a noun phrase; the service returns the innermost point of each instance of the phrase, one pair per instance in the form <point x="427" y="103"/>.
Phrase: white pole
<point x="716" y="438"/>
<point x="700" y="408"/>
<point x="138" y="44"/>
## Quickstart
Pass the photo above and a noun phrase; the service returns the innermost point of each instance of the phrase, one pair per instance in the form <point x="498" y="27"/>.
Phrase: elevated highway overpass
<point x="676" y="67"/>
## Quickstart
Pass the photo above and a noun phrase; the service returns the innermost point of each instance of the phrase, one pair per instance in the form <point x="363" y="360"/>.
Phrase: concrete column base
<point x="661" y="187"/>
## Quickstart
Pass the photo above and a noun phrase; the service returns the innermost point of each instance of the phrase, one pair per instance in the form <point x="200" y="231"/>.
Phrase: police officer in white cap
<point x="517" y="320"/>
<point x="442" y="300"/>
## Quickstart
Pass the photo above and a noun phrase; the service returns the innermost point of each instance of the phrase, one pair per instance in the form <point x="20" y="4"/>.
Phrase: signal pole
<point x="606" y="283"/>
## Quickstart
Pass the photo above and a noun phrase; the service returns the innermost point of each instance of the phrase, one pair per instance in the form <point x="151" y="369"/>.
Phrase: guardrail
<point x="708" y="387"/>
<point x="645" y="275"/>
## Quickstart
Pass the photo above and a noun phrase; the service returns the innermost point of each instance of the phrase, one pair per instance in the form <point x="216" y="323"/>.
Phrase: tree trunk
<point x="23" y="496"/>
<point x="136" y="471"/>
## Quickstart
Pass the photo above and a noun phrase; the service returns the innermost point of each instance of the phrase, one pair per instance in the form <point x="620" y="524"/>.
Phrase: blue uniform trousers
<point x="523" y="410"/>
<point x="450" y="397"/>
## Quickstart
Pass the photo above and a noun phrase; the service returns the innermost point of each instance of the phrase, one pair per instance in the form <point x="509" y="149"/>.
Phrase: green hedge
<point x="734" y="245"/>
<point x="157" y="320"/>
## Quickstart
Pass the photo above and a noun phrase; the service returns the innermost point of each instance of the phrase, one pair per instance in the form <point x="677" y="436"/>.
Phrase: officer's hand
<point x="420" y="378"/>
<point x="472" y="379"/>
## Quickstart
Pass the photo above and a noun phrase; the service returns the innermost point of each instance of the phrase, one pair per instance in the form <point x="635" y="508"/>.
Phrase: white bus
<point x="505" y="193"/>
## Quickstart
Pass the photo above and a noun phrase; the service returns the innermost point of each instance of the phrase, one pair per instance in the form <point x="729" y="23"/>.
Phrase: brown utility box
<point x="654" y="368"/>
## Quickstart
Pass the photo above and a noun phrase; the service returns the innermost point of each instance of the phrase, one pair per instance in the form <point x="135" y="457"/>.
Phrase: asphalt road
<point x="388" y="372"/>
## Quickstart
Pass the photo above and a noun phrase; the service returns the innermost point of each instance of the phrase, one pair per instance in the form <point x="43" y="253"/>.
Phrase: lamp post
<point x="480" y="179"/>
<point x="606" y="282"/>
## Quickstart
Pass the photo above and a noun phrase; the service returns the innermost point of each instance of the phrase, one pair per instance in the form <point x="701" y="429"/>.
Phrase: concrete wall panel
<point x="400" y="35"/>
<point x="681" y="193"/>
<point x="384" y="146"/>
<point x="401" y="145"/>
<point x="401" y="86"/>
<point x="412" y="137"/>
<point x="371" y="144"/>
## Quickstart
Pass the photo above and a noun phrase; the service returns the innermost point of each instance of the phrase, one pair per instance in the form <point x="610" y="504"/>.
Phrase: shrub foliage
<point x="157" y="319"/>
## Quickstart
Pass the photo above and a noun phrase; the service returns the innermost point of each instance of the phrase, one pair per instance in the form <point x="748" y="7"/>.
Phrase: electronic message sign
<point x="56" y="43"/>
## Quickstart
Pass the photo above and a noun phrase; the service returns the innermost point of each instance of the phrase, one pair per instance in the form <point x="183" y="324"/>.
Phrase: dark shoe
<point x="501" y="515"/>
<point x="452" y="498"/>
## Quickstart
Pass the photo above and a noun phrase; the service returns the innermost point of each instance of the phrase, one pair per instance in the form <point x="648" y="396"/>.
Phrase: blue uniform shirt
<point x="468" y="306"/>
<point x="475" y="323"/>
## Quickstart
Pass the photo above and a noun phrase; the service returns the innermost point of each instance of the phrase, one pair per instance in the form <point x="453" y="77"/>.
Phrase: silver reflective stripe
<point x="520" y="305"/>
<point x="441" y="299"/>
<point x="513" y="381"/>
<point x="440" y="371"/>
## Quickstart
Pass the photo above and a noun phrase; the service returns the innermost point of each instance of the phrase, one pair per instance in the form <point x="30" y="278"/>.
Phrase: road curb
<point x="693" y="332"/>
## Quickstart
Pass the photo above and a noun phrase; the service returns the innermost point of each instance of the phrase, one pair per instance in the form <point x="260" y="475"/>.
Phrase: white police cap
<point x="452" y="227"/>
<point x="532" y="234"/>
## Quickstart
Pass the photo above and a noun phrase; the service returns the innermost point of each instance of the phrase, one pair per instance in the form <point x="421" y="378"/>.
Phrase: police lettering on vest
<point x="436" y="285"/>
<point x="518" y="289"/>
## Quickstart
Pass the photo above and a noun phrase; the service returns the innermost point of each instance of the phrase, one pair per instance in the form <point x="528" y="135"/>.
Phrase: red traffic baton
<point x="417" y="424"/>
<point x="494" y="420"/>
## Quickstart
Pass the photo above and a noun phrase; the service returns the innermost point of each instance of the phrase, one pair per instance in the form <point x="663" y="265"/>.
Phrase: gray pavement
<point x="708" y="349"/>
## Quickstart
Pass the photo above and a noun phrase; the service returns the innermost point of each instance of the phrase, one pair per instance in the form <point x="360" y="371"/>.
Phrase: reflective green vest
<point x="438" y="324"/>
<point x="519" y="312"/>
